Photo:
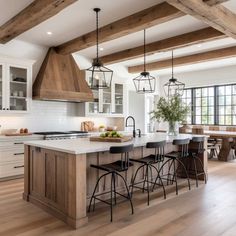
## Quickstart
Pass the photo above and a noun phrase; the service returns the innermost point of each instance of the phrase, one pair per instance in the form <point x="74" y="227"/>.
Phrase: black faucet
<point x="133" y="125"/>
<point x="139" y="132"/>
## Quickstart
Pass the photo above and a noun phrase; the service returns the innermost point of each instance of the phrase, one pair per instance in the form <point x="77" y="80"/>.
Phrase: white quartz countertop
<point x="26" y="137"/>
<point x="84" y="145"/>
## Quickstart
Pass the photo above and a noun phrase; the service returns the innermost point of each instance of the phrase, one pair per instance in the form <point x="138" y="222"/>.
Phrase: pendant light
<point x="100" y="77"/>
<point x="144" y="83"/>
<point x="173" y="87"/>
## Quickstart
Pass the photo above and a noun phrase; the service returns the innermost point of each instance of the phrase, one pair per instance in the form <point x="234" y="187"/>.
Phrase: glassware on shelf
<point x="119" y="98"/>
<point x="18" y="89"/>
<point x="93" y="107"/>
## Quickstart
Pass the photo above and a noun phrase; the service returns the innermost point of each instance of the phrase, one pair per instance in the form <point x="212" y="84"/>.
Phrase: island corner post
<point x="61" y="183"/>
<point x="56" y="182"/>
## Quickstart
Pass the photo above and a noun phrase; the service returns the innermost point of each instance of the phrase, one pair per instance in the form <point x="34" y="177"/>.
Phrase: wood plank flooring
<point x="209" y="210"/>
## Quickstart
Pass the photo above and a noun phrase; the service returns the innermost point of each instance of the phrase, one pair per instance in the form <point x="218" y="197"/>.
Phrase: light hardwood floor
<point x="209" y="210"/>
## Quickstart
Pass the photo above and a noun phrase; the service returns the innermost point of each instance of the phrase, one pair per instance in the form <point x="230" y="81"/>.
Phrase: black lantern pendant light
<point x="100" y="76"/>
<point x="173" y="87"/>
<point x="145" y="83"/>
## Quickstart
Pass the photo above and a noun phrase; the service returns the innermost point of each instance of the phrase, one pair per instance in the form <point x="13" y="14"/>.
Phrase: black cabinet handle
<point x="18" y="143"/>
<point x="18" y="166"/>
<point x="16" y="154"/>
<point x="4" y="108"/>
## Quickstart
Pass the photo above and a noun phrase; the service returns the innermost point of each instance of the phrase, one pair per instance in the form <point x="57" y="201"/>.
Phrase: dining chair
<point x="233" y="140"/>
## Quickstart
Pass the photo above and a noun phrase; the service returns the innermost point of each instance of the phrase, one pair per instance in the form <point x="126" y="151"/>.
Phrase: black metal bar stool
<point x="114" y="170"/>
<point x="148" y="163"/>
<point x="174" y="158"/>
<point x="194" y="155"/>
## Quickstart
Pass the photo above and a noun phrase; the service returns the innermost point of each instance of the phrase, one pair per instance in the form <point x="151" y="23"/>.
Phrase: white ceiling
<point x="79" y="19"/>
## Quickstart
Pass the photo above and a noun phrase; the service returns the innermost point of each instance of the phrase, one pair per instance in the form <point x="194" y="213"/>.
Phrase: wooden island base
<point x="62" y="183"/>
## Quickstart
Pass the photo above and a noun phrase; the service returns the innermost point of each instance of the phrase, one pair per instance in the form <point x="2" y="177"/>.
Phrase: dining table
<point x="226" y="151"/>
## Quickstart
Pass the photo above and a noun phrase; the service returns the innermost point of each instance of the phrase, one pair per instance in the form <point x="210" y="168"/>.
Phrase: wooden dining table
<point x="226" y="152"/>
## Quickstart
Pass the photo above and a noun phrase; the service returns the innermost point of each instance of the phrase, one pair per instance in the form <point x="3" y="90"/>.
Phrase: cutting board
<point x="110" y="139"/>
<point x="18" y="134"/>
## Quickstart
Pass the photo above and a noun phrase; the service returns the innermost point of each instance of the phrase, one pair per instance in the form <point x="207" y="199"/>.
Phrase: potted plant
<point x="170" y="110"/>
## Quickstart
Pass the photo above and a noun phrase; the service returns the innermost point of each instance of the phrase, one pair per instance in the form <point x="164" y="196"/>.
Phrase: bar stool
<point x="173" y="157"/>
<point x="148" y="163"/>
<point x="114" y="169"/>
<point x="193" y="154"/>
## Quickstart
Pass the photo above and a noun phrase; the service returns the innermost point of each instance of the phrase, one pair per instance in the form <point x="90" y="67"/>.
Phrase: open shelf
<point x="18" y="82"/>
<point x="16" y="97"/>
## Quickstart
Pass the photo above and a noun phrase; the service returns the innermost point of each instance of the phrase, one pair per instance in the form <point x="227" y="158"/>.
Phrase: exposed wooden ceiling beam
<point x="217" y="17"/>
<point x="188" y="60"/>
<point x="214" y="2"/>
<point x="149" y="17"/>
<point x="34" y="14"/>
<point x="195" y="37"/>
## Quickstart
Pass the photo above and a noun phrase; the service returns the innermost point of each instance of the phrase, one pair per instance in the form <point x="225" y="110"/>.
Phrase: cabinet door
<point x="1" y="88"/>
<point x="106" y="101"/>
<point x="118" y="98"/>
<point x="18" y="88"/>
<point x="93" y="107"/>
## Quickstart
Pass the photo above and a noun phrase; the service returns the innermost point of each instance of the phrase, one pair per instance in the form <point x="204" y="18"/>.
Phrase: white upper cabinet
<point x="107" y="102"/>
<point x="15" y="86"/>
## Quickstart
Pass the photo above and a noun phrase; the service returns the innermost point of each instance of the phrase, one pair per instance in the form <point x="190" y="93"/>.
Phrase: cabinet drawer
<point x="11" y="145"/>
<point x="11" y="169"/>
<point x="11" y="156"/>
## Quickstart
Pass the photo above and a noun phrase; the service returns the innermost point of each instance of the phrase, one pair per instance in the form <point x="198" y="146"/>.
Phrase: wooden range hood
<point x="60" y="79"/>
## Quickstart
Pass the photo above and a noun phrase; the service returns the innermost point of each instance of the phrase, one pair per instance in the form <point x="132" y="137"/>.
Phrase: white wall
<point x="216" y="76"/>
<point x="44" y="115"/>
<point x="51" y="116"/>
<point x="24" y="50"/>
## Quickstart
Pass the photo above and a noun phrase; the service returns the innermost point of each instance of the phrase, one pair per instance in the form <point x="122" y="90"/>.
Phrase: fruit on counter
<point x="111" y="134"/>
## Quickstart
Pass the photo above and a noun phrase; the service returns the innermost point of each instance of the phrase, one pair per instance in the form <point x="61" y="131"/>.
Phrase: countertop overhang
<point x="84" y="145"/>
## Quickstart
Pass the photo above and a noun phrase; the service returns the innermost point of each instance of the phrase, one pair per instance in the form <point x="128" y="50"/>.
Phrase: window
<point x="187" y="101"/>
<point x="203" y="105"/>
<point x="226" y="104"/>
<point x="215" y="105"/>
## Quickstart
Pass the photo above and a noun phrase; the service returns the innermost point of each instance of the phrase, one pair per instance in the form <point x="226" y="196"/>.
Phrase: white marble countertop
<point x="26" y="137"/>
<point x="84" y="145"/>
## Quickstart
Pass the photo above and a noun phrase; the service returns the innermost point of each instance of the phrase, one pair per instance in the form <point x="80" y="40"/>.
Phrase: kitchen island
<point x="58" y="177"/>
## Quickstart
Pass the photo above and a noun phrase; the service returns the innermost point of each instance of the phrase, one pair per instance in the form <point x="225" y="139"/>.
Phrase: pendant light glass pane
<point x="145" y="83"/>
<point x="174" y="88"/>
<point x="99" y="76"/>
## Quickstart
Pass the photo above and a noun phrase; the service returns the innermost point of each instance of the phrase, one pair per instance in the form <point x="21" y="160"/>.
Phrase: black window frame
<point x="216" y="105"/>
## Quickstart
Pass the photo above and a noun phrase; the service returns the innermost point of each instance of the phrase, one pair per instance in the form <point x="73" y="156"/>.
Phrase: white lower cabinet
<point x="12" y="156"/>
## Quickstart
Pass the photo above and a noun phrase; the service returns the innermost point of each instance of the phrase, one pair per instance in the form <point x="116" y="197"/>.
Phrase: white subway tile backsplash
<point x="48" y="115"/>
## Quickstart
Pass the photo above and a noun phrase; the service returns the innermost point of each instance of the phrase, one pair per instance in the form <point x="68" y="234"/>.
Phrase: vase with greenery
<point x="170" y="110"/>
